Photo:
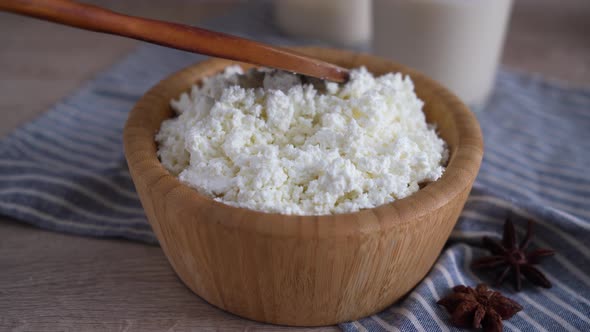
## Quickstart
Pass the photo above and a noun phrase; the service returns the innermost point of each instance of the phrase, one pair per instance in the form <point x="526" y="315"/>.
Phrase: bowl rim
<point x="147" y="171"/>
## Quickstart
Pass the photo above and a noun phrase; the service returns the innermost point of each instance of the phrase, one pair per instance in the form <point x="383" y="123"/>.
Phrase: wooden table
<point x="51" y="281"/>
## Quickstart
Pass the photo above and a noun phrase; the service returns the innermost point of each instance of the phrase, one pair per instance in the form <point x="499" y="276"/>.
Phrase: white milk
<point x="457" y="42"/>
<point x="345" y="22"/>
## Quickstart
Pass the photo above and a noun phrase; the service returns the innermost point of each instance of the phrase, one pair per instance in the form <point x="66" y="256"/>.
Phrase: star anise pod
<point x="479" y="307"/>
<point x="511" y="256"/>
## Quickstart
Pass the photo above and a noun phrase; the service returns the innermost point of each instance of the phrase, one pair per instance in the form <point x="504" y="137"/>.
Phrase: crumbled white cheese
<point x="274" y="142"/>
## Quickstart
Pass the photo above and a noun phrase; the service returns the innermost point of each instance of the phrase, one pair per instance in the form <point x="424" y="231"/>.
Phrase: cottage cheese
<point x="268" y="141"/>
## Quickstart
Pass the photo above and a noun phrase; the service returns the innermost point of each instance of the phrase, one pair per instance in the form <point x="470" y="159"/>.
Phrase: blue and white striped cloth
<point x="66" y="172"/>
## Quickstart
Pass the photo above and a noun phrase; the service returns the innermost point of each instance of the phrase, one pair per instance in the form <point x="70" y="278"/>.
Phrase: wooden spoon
<point x="174" y="35"/>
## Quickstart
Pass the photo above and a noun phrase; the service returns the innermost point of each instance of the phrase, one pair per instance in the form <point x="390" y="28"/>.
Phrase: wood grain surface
<point x="57" y="282"/>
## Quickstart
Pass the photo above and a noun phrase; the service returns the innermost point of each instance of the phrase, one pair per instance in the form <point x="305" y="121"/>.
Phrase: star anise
<point x="479" y="307"/>
<point x="511" y="256"/>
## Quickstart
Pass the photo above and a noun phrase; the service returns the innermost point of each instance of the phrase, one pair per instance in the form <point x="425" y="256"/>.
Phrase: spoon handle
<point x="174" y="35"/>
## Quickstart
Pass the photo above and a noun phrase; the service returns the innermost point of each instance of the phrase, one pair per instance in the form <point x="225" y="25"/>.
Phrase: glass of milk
<point x="342" y="22"/>
<point x="456" y="42"/>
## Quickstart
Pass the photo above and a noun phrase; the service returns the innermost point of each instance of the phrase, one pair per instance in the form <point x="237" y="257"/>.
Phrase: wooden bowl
<point x="302" y="270"/>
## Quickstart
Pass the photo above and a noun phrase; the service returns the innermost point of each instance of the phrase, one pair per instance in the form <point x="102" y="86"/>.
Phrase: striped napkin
<point x="65" y="171"/>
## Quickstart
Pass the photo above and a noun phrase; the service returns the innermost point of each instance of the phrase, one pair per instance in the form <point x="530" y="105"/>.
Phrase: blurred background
<point x="548" y="37"/>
